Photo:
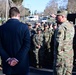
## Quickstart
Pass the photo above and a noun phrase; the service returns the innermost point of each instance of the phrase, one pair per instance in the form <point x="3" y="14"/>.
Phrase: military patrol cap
<point x="29" y="24"/>
<point x="36" y="23"/>
<point x="45" y="25"/>
<point x="38" y="29"/>
<point x="62" y="12"/>
<point x="54" y="24"/>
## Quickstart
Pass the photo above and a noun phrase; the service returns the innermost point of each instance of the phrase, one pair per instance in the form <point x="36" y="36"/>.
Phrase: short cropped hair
<point x="13" y="12"/>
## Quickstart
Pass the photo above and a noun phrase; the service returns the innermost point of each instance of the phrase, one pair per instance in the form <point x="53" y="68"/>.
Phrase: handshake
<point x="12" y="61"/>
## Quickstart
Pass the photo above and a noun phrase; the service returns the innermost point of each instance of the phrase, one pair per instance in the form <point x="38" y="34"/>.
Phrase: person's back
<point x="14" y="45"/>
<point x="14" y="33"/>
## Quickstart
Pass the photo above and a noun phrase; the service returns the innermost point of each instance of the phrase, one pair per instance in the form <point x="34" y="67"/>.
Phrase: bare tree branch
<point x="71" y="6"/>
<point x="51" y="8"/>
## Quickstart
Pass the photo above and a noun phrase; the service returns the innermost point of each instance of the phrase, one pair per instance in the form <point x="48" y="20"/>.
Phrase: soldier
<point x="32" y="31"/>
<point x="38" y="44"/>
<point x="63" y="63"/>
<point x="42" y="25"/>
<point x="31" y="53"/>
<point x="50" y="26"/>
<point x="54" y="25"/>
<point x="46" y="34"/>
<point x="36" y="26"/>
<point x="47" y="39"/>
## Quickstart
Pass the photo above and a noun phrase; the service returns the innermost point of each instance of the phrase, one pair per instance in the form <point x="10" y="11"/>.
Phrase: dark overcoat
<point x="15" y="42"/>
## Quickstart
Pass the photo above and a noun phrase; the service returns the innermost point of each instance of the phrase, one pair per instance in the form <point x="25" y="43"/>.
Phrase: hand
<point x="9" y="60"/>
<point x="49" y="50"/>
<point x="39" y="46"/>
<point x="13" y="62"/>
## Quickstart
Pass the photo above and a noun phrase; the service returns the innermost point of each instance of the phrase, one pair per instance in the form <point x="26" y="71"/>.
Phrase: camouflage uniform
<point x="47" y="52"/>
<point x="47" y="37"/>
<point x="63" y="63"/>
<point x="38" y="41"/>
<point x="31" y="53"/>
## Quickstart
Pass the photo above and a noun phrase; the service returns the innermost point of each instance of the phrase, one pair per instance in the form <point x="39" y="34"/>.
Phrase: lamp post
<point x="6" y="10"/>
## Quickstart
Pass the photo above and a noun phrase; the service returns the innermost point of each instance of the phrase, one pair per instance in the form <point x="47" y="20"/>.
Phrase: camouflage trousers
<point x="63" y="66"/>
<point x="37" y="55"/>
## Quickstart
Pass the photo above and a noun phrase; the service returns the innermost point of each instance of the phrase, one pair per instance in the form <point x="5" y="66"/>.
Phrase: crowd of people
<point x="46" y="45"/>
<point x="52" y="45"/>
<point x="42" y="44"/>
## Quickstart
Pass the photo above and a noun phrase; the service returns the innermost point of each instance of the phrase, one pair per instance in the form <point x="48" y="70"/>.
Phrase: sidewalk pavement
<point x="35" y="71"/>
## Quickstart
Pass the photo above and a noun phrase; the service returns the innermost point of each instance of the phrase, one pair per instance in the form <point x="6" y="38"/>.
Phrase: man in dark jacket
<point x="14" y="45"/>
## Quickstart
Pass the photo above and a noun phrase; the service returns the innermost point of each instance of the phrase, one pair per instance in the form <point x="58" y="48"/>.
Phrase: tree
<point x="2" y="9"/>
<point x="24" y="11"/>
<point x="62" y="4"/>
<point x="18" y="2"/>
<point x="51" y="7"/>
<point x="71" y="7"/>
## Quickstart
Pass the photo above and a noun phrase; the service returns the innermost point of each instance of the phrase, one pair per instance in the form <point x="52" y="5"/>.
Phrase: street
<point x="34" y="71"/>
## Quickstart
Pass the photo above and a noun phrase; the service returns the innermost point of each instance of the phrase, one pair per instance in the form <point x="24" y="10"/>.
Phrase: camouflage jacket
<point x="64" y="38"/>
<point x="38" y="39"/>
<point x="47" y="37"/>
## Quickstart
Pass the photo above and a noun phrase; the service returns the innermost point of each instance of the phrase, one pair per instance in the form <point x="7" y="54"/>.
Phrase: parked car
<point x="44" y="19"/>
<point x="32" y="18"/>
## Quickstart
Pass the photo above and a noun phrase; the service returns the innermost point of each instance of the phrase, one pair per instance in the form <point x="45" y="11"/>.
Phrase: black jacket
<point x="14" y="42"/>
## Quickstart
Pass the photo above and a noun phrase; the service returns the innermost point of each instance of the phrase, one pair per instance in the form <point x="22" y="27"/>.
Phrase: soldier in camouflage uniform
<point x="54" y="25"/>
<point x="50" y="26"/>
<point x="47" y="36"/>
<point x="36" y="26"/>
<point x="47" y="39"/>
<point x="32" y="31"/>
<point x="63" y="63"/>
<point x="38" y="44"/>
<point x="31" y="53"/>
